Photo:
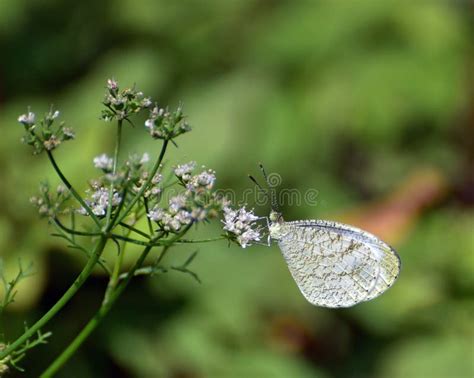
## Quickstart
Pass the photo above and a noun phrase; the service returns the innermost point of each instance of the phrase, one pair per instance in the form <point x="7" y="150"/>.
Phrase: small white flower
<point x="112" y="84"/>
<point x="184" y="217"/>
<point x="174" y="224"/>
<point x="52" y="115"/>
<point x="157" y="112"/>
<point x="103" y="162"/>
<point x="157" y="178"/>
<point x="205" y="179"/>
<point x="183" y="171"/>
<point x="176" y="203"/>
<point x="146" y="102"/>
<point x="69" y="133"/>
<point x="150" y="124"/>
<point x="100" y="201"/>
<point x="248" y="237"/>
<point x="145" y="158"/>
<point x="156" y="214"/>
<point x="27" y="119"/>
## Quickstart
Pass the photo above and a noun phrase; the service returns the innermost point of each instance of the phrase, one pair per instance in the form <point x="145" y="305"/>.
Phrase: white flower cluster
<point x="136" y="161"/>
<point x="154" y="189"/>
<point x="122" y="103"/>
<point x="163" y="124"/>
<point x="99" y="201"/>
<point x="241" y="224"/>
<point x="45" y="133"/>
<point x="183" y="171"/>
<point x="175" y="217"/>
<point x="51" y="116"/>
<point x="49" y="203"/>
<point x="203" y="180"/>
<point x="103" y="162"/>
<point x="197" y="203"/>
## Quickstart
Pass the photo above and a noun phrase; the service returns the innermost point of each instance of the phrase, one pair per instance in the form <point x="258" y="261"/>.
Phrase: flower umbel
<point x="51" y="204"/>
<point x="198" y="202"/>
<point x="45" y="134"/>
<point x="121" y="104"/>
<point x="163" y="124"/>
<point x="104" y="162"/>
<point x="99" y="200"/>
<point x="241" y="226"/>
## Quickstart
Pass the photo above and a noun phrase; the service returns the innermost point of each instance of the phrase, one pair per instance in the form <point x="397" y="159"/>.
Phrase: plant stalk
<point x="72" y="190"/>
<point x="104" y="309"/>
<point x="77" y="284"/>
<point x="146" y="184"/>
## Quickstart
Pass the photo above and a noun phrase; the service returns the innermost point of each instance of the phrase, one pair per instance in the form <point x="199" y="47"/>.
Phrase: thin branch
<point x="72" y="231"/>
<point x="72" y="190"/>
<point x="74" y="245"/>
<point x="136" y="230"/>
<point x="147" y="182"/>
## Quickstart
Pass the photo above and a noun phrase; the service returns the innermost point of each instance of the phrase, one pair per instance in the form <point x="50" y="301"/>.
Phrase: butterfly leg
<point x="268" y="228"/>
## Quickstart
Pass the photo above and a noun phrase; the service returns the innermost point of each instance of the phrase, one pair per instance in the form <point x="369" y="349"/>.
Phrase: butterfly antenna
<point x="271" y="190"/>
<point x="258" y="185"/>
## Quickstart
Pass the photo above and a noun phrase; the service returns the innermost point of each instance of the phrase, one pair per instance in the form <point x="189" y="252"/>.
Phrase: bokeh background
<point x="369" y="102"/>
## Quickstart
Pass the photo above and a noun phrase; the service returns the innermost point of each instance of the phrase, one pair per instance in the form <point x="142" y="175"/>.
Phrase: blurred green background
<point x="370" y="102"/>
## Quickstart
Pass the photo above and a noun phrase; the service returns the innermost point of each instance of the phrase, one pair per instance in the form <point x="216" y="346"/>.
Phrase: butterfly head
<point x="275" y="217"/>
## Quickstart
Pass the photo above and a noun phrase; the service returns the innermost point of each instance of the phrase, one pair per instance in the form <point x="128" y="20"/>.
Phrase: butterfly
<point x="334" y="264"/>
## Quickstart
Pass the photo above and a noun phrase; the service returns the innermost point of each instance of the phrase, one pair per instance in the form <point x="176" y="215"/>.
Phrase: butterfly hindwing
<point x="336" y="265"/>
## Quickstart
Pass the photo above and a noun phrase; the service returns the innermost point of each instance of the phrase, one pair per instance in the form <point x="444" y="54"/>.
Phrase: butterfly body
<point x="333" y="264"/>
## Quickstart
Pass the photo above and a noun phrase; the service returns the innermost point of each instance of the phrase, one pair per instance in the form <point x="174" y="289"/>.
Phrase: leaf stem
<point x="165" y="242"/>
<point x="92" y="324"/>
<point x="118" y="142"/>
<point x="146" y="184"/>
<point x="136" y="230"/>
<point x="74" y="232"/>
<point x="78" y="282"/>
<point x="103" y="310"/>
<point x="72" y="190"/>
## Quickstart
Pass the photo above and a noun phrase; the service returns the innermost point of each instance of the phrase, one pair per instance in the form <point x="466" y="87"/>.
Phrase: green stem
<point x="79" y="281"/>
<point x="201" y="240"/>
<point x="73" y="245"/>
<point x="146" y="184"/>
<point x="91" y="325"/>
<point x="104" y="309"/>
<point x="136" y="230"/>
<point x="114" y="279"/>
<point x="133" y="241"/>
<point x="72" y="190"/>
<point x="147" y="210"/>
<point x="72" y="231"/>
<point x="165" y="242"/>
<point x="118" y="142"/>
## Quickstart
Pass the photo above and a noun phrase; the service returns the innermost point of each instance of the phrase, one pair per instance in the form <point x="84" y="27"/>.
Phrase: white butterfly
<point x="333" y="264"/>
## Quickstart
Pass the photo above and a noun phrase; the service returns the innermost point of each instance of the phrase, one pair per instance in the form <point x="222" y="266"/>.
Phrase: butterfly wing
<point x="336" y="265"/>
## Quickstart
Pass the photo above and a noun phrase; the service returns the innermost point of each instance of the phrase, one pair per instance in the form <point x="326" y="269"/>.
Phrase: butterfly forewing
<point x="336" y="265"/>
